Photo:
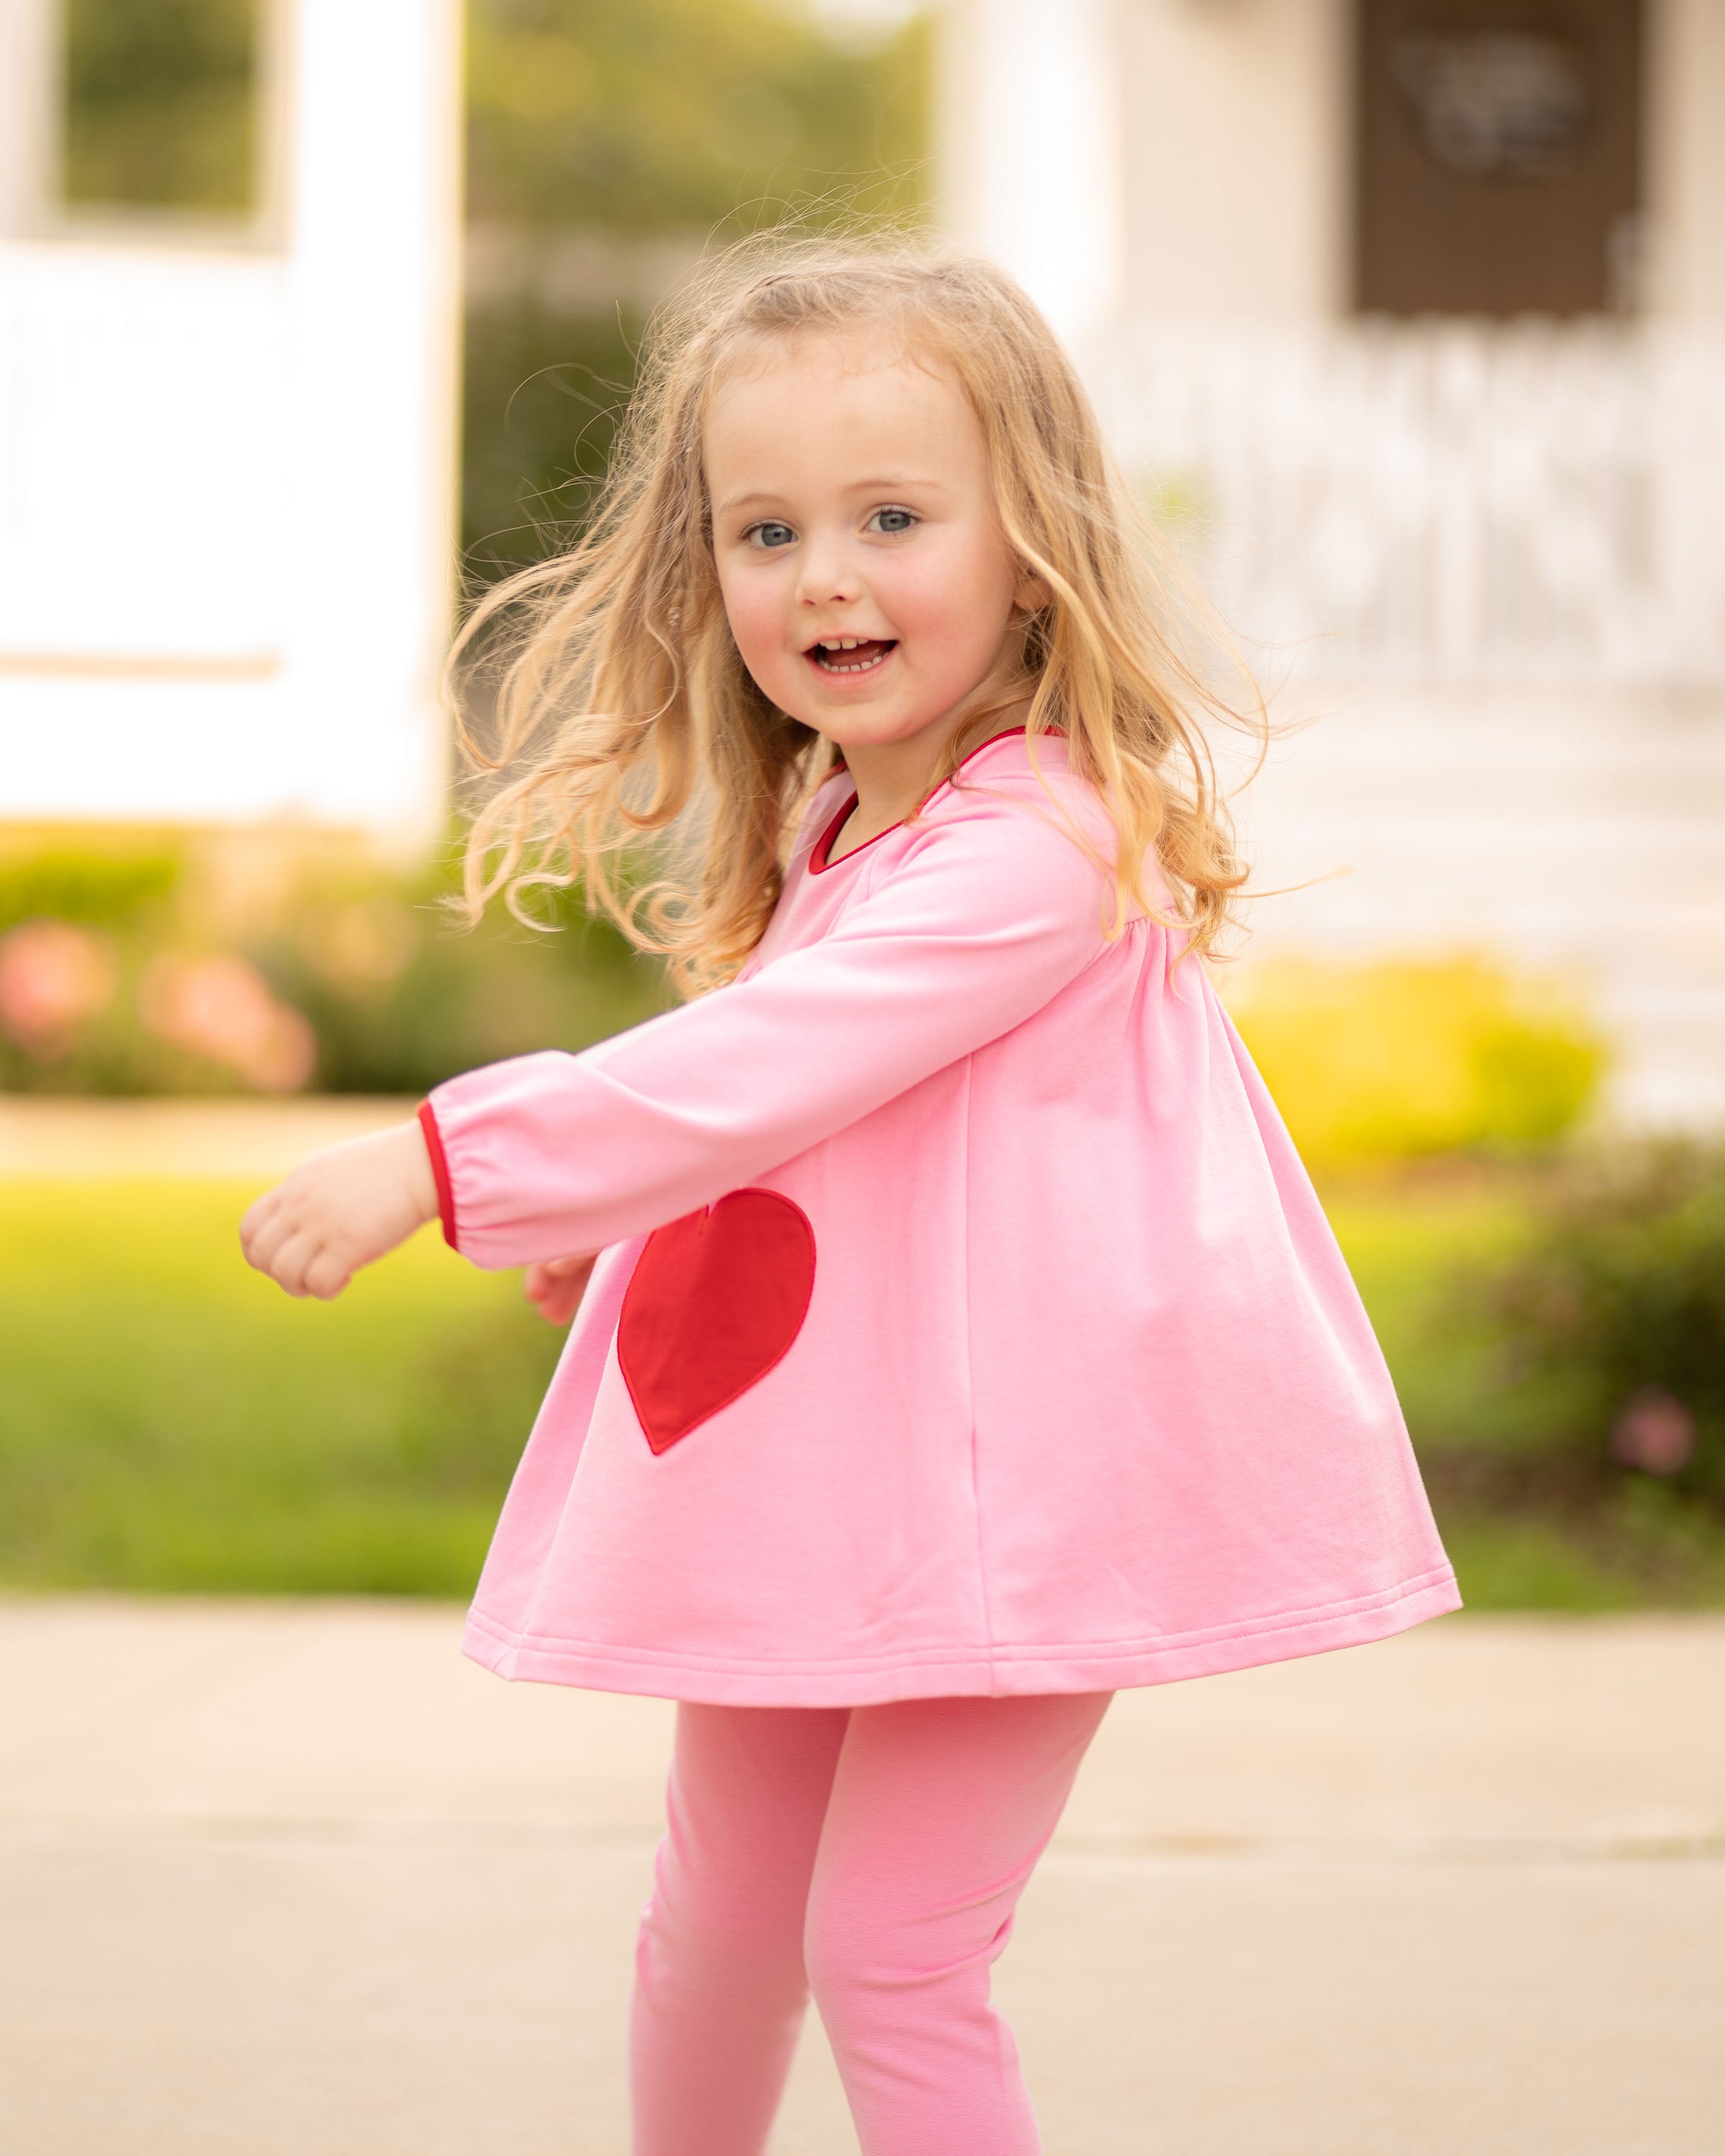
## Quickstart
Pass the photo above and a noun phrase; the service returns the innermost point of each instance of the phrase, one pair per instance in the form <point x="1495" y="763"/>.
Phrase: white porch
<point x="227" y="451"/>
<point x="1484" y="567"/>
<point x="1481" y="562"/>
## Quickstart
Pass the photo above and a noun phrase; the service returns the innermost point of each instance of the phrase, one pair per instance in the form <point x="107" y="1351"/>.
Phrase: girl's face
<point x="867" y="584"/>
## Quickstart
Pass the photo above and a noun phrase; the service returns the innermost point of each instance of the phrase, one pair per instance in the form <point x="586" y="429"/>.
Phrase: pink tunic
<point x="1014" y="1353"/>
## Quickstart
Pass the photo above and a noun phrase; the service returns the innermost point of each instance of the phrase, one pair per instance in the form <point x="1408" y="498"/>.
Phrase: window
<point x="160" y="107"/>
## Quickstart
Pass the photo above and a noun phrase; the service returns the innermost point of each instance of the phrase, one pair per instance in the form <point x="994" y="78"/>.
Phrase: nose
<point x="827" y="573"/>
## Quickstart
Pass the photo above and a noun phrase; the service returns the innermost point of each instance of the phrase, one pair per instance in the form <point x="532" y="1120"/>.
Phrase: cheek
<point x="753" y="609"/>
<point x="960" y="594"/>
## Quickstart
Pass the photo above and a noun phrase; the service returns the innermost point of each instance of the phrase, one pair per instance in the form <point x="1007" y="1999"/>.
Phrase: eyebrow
<point x="887" y="483"/>
<point x="736" y="502"/>
<point x="890" y="483"/>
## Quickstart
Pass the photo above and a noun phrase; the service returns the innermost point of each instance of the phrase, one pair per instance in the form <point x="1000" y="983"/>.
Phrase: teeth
<point x="858" y="666"/>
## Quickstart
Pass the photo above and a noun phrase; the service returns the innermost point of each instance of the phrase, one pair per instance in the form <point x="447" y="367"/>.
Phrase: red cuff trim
<point x="439" y="1173"/>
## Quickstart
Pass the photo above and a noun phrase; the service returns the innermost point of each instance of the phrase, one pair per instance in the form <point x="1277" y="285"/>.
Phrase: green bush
<point x="1406" y="1058"/>
<point x="643" y="115"/>
<point x="1614" y="1309"/>
<point x="400" y="997"/>
<point x="647" y="118"/>
<point x="543" y="394"/>
<point x="276" y="962"/>
<point x="107" y="886"/>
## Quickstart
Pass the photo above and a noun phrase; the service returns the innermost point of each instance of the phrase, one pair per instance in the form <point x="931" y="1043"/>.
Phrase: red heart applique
<point x="716" y="1299"/>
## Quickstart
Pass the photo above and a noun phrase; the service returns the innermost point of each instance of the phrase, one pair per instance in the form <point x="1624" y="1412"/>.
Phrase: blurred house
<point x="1409" y="315"/>
<point x="226" y="439"/>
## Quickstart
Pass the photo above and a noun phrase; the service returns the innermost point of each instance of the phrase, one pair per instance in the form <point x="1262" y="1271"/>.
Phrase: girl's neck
<point x="894" y="778"/>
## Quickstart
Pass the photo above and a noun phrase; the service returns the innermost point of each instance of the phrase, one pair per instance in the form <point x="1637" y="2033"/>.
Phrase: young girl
<point x="965" y="1340"/>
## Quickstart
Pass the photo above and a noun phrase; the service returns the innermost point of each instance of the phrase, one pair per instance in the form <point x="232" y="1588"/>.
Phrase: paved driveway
<point x="293" y="1880"/>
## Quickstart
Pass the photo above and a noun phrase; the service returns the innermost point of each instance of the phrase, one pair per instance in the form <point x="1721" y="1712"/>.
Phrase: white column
<point x="29" y="74"/>
<point x="1237" y="159"/>
<point x="372" y="226"/>
<point x="1685" y="126"/>
<point x="1031" y="94"/>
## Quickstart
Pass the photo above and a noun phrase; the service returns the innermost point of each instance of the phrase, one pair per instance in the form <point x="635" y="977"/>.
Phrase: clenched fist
<point x="341" y="1210"/>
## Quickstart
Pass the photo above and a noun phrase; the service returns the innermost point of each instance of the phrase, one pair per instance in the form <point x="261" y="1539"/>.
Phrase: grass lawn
<point x="170" y="1421"/>
<point x="173" y="1420"/>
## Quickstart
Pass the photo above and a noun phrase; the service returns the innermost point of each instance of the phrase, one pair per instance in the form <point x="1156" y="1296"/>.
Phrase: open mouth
<point x="850" y="654"/>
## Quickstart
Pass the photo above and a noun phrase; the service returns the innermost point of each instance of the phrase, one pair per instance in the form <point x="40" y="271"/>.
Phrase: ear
<point x="1030" y="594"/>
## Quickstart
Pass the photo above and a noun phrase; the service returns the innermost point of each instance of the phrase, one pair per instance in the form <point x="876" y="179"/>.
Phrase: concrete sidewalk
<point x="293" y="1880"/>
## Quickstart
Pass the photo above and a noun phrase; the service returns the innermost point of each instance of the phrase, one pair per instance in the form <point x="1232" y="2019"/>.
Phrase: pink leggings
<point x="873" y="1856"/>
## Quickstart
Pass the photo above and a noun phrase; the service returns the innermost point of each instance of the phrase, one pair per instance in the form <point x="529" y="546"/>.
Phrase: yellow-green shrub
<point x="1400" y="1058"/>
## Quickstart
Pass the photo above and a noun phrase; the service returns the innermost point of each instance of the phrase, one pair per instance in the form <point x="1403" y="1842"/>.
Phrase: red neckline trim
<point x="820" y="854"/>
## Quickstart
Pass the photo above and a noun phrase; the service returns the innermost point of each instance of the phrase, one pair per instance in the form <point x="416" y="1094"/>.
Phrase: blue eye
<point x="891" y="521"/>
<point x="770" y="533"/>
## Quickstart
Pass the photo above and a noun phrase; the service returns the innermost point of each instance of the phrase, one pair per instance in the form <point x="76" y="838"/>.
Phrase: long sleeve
<point x="987" y="914"/>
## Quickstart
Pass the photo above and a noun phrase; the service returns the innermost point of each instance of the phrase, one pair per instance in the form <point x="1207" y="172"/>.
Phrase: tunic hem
<point x="963" y="1670"/>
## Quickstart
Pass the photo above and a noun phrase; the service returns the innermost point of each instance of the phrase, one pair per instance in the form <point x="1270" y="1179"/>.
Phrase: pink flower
<point x="1654" y="1431"/>
<point x="221" y="1008"/>
<point x="53" y="978"/>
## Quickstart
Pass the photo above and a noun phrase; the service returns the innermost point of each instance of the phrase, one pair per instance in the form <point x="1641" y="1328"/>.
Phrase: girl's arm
<point x="991" y="912"/>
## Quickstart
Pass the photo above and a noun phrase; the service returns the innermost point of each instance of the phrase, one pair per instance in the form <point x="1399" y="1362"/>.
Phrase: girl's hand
<point x="554" y="1287"/>
<point x="341" y="1210"/>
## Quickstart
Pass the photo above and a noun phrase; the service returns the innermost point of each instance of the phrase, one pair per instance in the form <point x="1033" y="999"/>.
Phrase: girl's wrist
<point x="419" y="1177"/>
<point x="443" y="1197"/>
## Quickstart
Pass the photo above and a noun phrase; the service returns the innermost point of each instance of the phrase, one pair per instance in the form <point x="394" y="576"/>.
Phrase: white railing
<point x="1446" y="503"/>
